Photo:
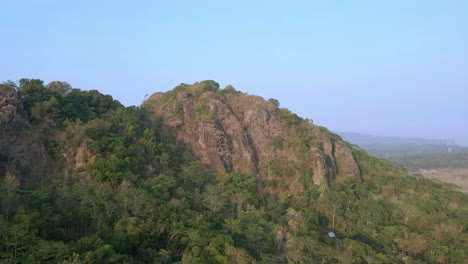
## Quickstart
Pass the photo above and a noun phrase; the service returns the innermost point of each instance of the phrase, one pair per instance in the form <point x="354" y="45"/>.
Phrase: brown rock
<point x="12" y="114"/>
<point x="59" y="87"/>
<point x="321" y="170"/>
<point x="238" y="132"/>
<point x="347" y="166"/>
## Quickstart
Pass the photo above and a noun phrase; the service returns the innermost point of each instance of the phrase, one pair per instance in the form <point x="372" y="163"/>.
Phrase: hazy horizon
<point x="387" y="69"/>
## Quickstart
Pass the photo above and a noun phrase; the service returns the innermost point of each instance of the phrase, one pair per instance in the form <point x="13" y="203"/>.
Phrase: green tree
<point x="9" y="186"/>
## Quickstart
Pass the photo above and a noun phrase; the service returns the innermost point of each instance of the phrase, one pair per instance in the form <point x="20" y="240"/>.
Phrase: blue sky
<point x="395" y="68"/>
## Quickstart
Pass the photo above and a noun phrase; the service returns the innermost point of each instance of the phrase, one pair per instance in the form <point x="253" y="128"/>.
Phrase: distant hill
<point x="400" y="146"/>
<point x="365" y="139"/>
<point x="428" y="157"/>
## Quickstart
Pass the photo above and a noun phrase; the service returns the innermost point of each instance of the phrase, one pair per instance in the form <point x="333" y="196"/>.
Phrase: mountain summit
<point x="232" y="131"/>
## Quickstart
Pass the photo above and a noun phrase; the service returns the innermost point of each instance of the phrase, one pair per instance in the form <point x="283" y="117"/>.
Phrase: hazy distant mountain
<point x="364" y="139"/>
<point x="397" y="146"/>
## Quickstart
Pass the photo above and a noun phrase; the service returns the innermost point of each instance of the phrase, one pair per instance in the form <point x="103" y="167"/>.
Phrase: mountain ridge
<point x="84" y="179"/>
<point x="401" y="146"/>
<point x="367" y="139"/>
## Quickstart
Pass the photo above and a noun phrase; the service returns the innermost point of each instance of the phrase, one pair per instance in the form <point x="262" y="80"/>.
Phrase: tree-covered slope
<point x="87" y="180"/>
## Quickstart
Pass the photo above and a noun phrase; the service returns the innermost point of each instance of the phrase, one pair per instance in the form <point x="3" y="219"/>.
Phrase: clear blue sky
<point x="395" y="68"/>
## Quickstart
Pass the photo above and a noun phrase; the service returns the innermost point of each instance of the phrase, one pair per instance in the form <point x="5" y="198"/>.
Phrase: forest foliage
<point x="430" y="161"/>
<point x="140" y="199"/>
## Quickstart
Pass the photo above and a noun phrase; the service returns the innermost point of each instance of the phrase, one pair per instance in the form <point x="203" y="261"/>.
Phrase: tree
<point x="28" y="86"/>
<point x="9" y="186"/>
<point x="274" y="101"/>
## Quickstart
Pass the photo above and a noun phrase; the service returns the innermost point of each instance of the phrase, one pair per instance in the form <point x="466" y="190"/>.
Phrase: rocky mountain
<point x="201" y="174"/>
<point x="232" y="131"/>
<point x="12" y="114"/>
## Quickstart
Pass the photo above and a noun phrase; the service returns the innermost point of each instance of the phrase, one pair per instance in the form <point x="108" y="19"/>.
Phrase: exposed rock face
<point x="210" y="130"/>
<point x="20" y="153"/>
<point x="12" y="113"/>
<point x="13" y="151"/>
<point x="231" y="131"/>
<point x="347" y="166"/>
<point x="320" y="169"/>
<point x="59" y="87"/>
<point x="24" y="156"/>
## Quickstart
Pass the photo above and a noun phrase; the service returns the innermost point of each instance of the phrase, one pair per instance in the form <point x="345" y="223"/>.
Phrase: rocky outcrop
<point x="320" y="169"/>
<point x="23" y="152"/>
<point x="59" y="87"/>
<point x="347" y="166"/>
<point x="232" y="131"/>
<point x="24" y="157"/>
<point x="12" y="114"/>
<point x="209" y="129"/>
<point x="14" y="152"/>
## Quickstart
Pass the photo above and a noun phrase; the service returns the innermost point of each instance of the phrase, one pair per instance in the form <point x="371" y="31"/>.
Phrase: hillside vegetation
<point x="204" y="175"/>
<point x="431" y="161"/>
<point x="450" y="168"/>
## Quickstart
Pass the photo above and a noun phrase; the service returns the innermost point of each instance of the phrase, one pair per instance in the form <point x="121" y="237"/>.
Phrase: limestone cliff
<point x="232" y="131"/>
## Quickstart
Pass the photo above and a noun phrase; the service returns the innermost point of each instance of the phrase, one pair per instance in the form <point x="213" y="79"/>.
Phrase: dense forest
<point x="86" y="180"/>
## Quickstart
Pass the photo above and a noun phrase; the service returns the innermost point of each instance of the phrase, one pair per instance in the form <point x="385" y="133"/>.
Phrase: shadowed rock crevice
<point x="253" y="154"/>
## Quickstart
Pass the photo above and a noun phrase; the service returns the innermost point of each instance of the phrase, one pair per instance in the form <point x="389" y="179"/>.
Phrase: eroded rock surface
<point x="232" y="131"/>
<point x="346" y="163"/>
